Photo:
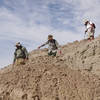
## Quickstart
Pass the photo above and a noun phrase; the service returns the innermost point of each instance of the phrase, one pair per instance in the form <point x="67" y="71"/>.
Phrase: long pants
<point x="90" y="32"/>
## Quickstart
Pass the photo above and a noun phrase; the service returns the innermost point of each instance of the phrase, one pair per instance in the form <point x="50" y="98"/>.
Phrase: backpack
<point x="19" y="53"/>
<point x="93" y="25"/>
<point x="53" y="41"/>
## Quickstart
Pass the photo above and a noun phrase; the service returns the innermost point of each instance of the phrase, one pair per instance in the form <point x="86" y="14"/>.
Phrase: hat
<point x="49" y="36"/>
<point x="85" y="21"/>
<point x="18" y="44"/>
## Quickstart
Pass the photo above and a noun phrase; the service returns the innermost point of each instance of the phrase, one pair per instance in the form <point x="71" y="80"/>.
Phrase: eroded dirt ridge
<point x="74" y="75"/>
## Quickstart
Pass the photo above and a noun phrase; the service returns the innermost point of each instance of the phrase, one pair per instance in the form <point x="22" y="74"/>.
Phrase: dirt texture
<point x="72" y="75"/>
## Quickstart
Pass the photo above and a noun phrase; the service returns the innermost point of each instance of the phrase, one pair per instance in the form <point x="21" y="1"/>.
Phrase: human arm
<point x="14" y="58"/>
<point x="86" y="31"/>
<point x="43" y="45"/>
<point x="26" y="52"/>
<point x="58" y="46"/>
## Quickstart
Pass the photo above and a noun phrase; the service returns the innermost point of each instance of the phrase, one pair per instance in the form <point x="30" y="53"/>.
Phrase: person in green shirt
<point x="20" y="54"/>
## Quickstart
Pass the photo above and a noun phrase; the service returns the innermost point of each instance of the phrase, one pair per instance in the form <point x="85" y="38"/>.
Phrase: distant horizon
<point x="30" y="22"/>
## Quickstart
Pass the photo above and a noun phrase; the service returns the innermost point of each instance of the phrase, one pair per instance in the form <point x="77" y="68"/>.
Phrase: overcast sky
<point x="30" y="22"/>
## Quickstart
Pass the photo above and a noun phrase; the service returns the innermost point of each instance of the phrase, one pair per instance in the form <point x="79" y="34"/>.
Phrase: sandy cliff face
<point x="73" y="75"/>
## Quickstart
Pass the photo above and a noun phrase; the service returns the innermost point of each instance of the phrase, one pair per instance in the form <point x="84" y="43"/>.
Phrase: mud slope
<point x="74" y="75"/>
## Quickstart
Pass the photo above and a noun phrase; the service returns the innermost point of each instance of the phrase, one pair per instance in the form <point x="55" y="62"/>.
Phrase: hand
<point x="27" y="58"/>
<point x="85" y="31"/>
<point x="39" y="47"/>
<point x="60" y="52"/>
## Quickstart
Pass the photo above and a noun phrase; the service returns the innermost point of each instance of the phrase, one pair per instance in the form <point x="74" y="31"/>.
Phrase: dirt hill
<point x="73" y="75"/>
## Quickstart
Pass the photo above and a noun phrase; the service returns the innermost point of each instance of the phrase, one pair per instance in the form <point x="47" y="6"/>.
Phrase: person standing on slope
<point x="90" y="29"/>
<point x="53" y="46"/>
<point x="20" y="55"/>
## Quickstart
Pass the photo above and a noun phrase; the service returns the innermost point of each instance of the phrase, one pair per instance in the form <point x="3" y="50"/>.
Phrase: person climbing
<point x="20" y="55"/>
<point x="90" y="29"/>
<point x="53" y="46"/>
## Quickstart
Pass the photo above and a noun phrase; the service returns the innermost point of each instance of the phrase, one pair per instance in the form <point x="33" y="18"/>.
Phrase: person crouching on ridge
<point x="90" y="29"/>
<point x="20" y="55"/>
<point x="53" y="46"/>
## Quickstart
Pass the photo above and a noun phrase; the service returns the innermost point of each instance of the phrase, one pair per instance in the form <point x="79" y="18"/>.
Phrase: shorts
<point x="52" y="53"/>
<point x="90" y="33"/>
<point x="20" y="61"/>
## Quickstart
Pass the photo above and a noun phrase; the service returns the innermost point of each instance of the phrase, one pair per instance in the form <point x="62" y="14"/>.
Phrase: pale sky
<point x="30" y="22"/>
